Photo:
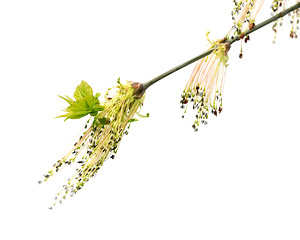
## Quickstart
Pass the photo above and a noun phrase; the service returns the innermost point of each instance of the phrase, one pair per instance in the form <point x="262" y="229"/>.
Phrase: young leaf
<point x="83" y="90"/>
<point x="67" y="99"/>
<point x="85" y="103"/>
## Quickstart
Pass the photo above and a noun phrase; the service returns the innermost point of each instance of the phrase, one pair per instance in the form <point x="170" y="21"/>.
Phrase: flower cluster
<point x="205" y="86"/>
<point x="100" y="141"/>
<point x="243" y="15"/>
<point x="280" y="5"/>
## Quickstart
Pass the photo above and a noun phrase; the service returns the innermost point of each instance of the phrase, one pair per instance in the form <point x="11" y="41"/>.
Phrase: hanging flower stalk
<point x="244" y="14"/>
<point x="205" y="86"/>
<point x="280" y="5"/>
<point x="101" y="139"/>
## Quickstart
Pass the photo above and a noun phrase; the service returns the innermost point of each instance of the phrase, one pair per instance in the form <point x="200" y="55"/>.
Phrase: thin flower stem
<point x="237" y="38"/>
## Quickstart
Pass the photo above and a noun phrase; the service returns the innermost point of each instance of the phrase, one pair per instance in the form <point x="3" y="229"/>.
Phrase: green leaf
<point x="85" y="103"/>
<point x="83" y="90"/>
<point x="69" y="100"/>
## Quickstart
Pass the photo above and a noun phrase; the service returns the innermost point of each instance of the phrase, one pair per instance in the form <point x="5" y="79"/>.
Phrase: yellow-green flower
<point x="99" y="141"/>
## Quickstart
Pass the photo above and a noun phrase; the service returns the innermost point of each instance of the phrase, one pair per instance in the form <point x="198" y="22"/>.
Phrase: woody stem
<point x="230" y="41"/>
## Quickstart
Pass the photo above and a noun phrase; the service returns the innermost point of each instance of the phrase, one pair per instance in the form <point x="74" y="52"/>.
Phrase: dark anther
<point x="251" y="26"/>
<point x="247" y="39"/>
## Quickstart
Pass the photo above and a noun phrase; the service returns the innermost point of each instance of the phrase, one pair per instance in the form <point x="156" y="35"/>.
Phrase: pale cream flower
<point x="206" y="84"/>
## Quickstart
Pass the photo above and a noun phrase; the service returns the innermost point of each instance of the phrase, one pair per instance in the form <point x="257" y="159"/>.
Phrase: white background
<point x="236" y="178"/>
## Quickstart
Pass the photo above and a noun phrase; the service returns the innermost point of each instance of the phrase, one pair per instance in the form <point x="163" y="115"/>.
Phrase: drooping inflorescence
<point x="245" y="12"/>
<point x="243" y="15"/>
<point x="280" y="5"/>
<point x="100" y="141"/>
<point x="205" y="86"/>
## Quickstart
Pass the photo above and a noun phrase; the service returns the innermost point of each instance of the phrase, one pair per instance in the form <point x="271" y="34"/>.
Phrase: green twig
<point x="237" y="38"/>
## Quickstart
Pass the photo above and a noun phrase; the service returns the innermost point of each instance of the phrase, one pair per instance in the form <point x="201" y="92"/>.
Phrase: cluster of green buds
<point x="101" y="137"/>
<point x="280" y="5"/>
<point x="205" y="86"/>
